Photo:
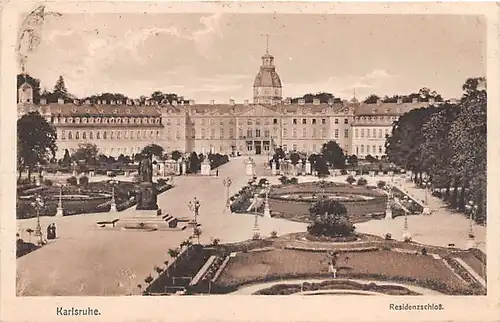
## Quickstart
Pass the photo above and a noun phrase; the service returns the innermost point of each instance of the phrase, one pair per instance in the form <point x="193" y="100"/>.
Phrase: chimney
<point x="399" y="101"/>
<point x="415" y="100"/>
<point x="379" y="101"/>
<point x="212" y="102"/>
<point x="316" y="101"/>
<point x="174" y="103"/>
<point x="245" y="102"/>
<point x="60" y="101"/>
<point x="302" y="101"/>
<point x="231" y="102"/>
<point x="43" y="101"/>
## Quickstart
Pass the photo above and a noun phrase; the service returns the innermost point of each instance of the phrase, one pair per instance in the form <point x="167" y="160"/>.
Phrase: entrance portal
<point x="258" y="147"/>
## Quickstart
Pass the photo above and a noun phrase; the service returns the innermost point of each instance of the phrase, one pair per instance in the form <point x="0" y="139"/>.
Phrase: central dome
<point x="267" y="83"/>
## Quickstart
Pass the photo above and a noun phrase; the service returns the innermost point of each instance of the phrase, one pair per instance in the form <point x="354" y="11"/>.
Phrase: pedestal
<point x="267" y="210"/>
<point x="59" y="212"/>
<point x="249" y="167"/>
<point x="147" y="197"/>
<point x="388" y="212"/>
<point x="205" y="168"/>
<point x="183" y="167"/>
<point x="113" y="207"/>
<point x="426" y="211"/>
<point x="308" y="167"/>
<point x="74" y="174"/>
<point x="406" y="234"/>
<point x="273" y="168"/>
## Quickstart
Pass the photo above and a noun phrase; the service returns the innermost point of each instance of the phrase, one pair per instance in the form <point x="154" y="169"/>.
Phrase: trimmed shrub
<point x="362" y="182"/>
<point x="72" y="181"/>
<point x="84" y="181"/>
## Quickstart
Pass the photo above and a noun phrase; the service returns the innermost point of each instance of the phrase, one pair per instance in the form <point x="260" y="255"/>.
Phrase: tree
<point x="321" y="166"/>
<point x="309" y="98"/>
<point x="371" y="99"/>
<point x="350" y="180"/>
<point x="66" y="160"/>
<point x="60" y="90"/>
<point x="294" y="158"/>
<point x="329" y="219"/>
<point x="35" y="85"/>
<point x="176" y="155"/>
<point x="352" y="160"/>
<point x="87" y="152"/>
<point x="36" y="141"/>
<point x="334" y="154"/>
<point x="153" y="149"/>
<point x="107" y="97"/>
<point x="194" y="162"/>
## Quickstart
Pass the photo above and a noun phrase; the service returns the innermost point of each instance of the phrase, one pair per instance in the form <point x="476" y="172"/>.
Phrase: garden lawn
<point x="474" y="263"/>
<point x="250" y="267"/>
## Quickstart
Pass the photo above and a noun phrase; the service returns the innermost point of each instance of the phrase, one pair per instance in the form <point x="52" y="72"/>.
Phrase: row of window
<point x="108" y="120"/>
<point x="315" y="148"/>
<point x="371" y="133"/>
<point x="373" y="119"/>
<point x="275" y="121"/>
<point x="373" y="149"/>
<point x="104" y="135"/>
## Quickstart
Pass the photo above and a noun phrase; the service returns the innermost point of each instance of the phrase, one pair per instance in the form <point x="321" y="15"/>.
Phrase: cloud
<point x="377" y="74"/>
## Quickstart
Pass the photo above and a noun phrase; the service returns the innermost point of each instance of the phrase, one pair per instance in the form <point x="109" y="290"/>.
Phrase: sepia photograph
<point x="243" y="154"/>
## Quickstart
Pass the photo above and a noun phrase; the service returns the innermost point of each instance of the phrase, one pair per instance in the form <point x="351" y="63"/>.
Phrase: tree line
<point x="448" y="143"/>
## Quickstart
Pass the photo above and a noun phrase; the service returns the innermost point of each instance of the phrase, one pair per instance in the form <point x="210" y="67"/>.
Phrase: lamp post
<point x="267" y="210"/>
<point x="194" y="206"/>
<point x="227" y="183"/>
<point x="472" y="209"/>
<point x="38" y="204"/>
<point x="388" y="209"/>
<point x="427" y="185"/>
<point x="113" y="201"/>
<point x="60" y="210"/>
<point x="406" y="233"/>
<point x="256" y="229"/>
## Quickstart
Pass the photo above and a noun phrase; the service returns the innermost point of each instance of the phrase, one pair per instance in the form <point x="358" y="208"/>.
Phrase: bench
<point x="104" y="223"/>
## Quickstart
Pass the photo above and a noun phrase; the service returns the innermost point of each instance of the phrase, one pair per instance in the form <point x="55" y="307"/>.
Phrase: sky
<point x="216" y="56"/>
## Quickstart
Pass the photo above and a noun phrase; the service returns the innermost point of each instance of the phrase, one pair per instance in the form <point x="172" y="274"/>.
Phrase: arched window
<point x="84" y="135"/>
<point x="356" y="132"/>
<point x="77" y="135"/>
<point x="98" y="135"/>
<point x="91" y="135"/>
<point x="118" y="134"/>
<point x="104" y="135"/>
<point x="112" y="135"/>
<point x="63" y="135"/>
<point x="70" y="135"/>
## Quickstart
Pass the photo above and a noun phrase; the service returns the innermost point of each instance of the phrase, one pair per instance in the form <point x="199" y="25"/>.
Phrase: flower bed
<point x="476" y="287"/>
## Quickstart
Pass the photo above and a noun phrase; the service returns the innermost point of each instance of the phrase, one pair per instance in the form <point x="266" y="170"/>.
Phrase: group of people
<point x="51" y="231"/>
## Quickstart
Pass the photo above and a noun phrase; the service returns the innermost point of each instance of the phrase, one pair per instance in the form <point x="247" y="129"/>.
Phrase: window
<point x="336" y="133"/>
<point x="202" y="121"/>
<point x="294" y="121"/>
<point x="112" y="135"/>
<point x="178" y="121"/>
<point x="119" y="134"/>
<point x="314" y="147"/>
<point x="285" y="147"/>
<point x="266" y="133"/>
<point x="151" y="134"/>
<point x="336" y="121"/>
<point x="98" y="135"/>
<point x="231" y="133"/>
<point x="84" y="135"/>
<point x="367" y="149"/>
<point x="314" y="133"/>
<point x="275" y="121"/>
<point x="323" y="133"/>
<point x="193" y="133"/>
<point x="294" y="133"/>
<point x="295" y="147"/>
<point x="362" y="133"/>
<point x="374" y="149"/>
<point x="257" y="133"/>
<point x="157" y="134"/>
<point x="285" y="132"/>
<point x="257" y="122"/>
<point x="221" y="133"/>
<point x="346" y="133"/>
<point x="346" y="121"/>
<point x="221" y="122"/>
<point x="131" y="134"/>
<point x="70" y="135"/>
<point x="249" y="133"/>
<point x="77" y="135"/>
<point x="202" y="133"/>
<point x="380" y="133"/>
<point x="304" y="133"/>
<point x="368" y="133"/>
<point x="313" y="121"/>
<point x="380" y="149"/>
<point x="323" y="121"/>
<point x="211" y="121"/>
<point x="386" y="132"/>
<point x="362" y="148"/>
<point x="104" y="135"/>
<point x="356" y="133"/>
<point x="177" y="135"/>
<point x="241" y="133"/>
<point x="304" y="121"/>
<point x="249" y="122"/>
<point x="212" y="133"/>
<point x="63" y="135"/>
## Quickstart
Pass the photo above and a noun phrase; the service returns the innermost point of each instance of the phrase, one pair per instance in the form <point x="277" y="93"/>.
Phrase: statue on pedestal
<point x="147" y="195"/>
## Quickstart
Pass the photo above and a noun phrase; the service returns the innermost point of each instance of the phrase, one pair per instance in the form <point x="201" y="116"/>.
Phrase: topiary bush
<point x="72" y="181"/>
<point x="362" y="182"/>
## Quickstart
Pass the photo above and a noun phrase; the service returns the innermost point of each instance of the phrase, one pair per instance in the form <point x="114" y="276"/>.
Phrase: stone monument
<point x="273" y="167"/>
<point x="147" y="195"/>
<point x="205" y="167"/>
<point x="249" y="167"/>
<point x="308" y="167"/>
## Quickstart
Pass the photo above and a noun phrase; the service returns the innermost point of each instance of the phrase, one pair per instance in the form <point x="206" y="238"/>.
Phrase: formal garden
<point x="79" y="196"/>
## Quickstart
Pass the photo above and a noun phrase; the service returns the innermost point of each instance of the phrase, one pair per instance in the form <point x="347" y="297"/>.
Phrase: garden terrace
<point x="421" y="270"/>
<point x="293" y="201"/>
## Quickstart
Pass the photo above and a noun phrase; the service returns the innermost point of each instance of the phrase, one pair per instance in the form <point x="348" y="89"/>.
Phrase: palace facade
<point x="126" y="127"/>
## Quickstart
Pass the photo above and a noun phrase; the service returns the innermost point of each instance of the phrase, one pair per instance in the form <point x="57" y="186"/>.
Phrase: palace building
<point x="257" y="127"/>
